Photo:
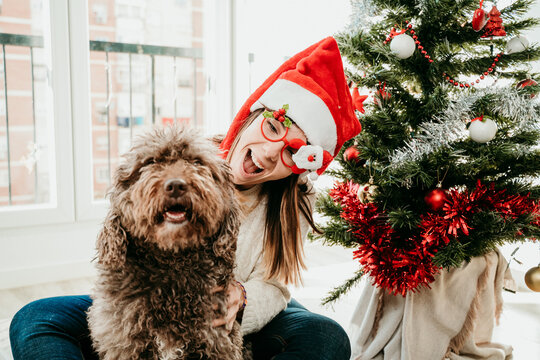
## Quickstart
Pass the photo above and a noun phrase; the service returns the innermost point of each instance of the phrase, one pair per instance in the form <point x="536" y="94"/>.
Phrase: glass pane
<point x="26" y="146"/>
<point x="146" y="68"/>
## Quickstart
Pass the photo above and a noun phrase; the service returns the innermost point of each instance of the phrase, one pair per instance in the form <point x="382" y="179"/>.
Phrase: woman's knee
<point x="27" y="320"/>
<point x="323" y="335"/>
<point x="49" y="315"/>
<point x="51" y="328"/>
<point x="333" y="335"/>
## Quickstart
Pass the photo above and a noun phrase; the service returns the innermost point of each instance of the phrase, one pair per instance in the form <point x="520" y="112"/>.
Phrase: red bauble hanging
<point x="494" y="26"/>
<point x="352" y="154"/>
<point x="436" y="199"/>
<point x="480" y="18"/>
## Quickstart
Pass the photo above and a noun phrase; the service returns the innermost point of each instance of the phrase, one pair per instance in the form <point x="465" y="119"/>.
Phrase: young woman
<point x="288" y="131"/>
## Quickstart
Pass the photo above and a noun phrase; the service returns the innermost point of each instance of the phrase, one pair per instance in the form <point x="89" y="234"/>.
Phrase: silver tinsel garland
<point x="450" y="126"/>
<point x="363" y="15"/>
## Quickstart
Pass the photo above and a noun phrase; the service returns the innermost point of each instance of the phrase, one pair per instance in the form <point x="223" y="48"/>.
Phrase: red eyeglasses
<point x="275" y="131"/>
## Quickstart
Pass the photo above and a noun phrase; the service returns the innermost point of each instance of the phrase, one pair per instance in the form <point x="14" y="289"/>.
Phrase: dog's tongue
<point x="175" y="216"/>
<point x="249" y="165"/>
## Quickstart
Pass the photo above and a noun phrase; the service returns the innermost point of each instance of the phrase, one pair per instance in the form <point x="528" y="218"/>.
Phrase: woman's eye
<point x="273" y="128"/>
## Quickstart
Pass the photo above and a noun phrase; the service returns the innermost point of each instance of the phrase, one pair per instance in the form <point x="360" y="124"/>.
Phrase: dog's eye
<point x="197" y="162"/>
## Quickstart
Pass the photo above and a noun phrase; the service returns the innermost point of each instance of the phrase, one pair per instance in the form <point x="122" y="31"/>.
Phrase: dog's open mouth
<point x="176" y="214"/>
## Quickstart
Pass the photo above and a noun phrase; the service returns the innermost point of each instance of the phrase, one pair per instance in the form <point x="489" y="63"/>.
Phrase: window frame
<point x="87" y="208"/>
<point x="60" y="209"/>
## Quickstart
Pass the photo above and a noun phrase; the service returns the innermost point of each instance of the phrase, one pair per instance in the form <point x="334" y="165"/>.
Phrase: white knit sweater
<point x="266" y="298"/>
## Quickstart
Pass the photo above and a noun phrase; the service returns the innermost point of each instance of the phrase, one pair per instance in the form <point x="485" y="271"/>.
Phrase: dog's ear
<point x="225" y="238"/>
<point x="128" y="171"/>
<point x="112" y="243"/>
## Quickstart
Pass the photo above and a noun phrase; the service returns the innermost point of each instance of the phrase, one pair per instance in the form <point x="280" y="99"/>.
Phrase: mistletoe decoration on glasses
<point x="280" y="115"/>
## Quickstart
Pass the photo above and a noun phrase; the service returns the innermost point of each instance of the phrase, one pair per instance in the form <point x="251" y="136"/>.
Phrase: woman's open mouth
<point x="251" y="165"/>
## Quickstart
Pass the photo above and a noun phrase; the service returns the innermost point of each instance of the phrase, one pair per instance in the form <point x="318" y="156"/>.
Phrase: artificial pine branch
<point x="342" y="289"/>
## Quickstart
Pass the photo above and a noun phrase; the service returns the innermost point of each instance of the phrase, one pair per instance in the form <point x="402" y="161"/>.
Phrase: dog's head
<point x="174" y="191"/>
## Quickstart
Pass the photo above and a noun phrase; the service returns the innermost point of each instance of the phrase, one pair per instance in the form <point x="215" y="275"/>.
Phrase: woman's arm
<point x="265" y="299"/>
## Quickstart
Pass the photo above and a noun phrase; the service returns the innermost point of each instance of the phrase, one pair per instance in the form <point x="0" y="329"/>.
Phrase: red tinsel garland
<point x="399" y="264"/>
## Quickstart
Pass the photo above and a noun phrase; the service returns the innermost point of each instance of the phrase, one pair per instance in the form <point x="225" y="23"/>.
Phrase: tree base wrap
<point x="452" y="320"/>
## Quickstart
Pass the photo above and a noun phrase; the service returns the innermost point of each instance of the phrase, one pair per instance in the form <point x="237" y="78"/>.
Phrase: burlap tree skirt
<point x="452" y="320"/>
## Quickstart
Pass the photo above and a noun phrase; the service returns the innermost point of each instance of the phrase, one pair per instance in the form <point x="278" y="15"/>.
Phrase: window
<point x="84" y="89"/>
<point x="150" y="71"/>
<point x="34" y="114"/>
<point x="25" y="106"/>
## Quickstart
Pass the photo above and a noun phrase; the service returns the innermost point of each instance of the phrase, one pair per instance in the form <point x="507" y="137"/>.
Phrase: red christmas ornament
<point x="358" y="100"/>
<point x="494" y="26"/>
<point x="435" y="199"/>
<point x="525" y="83"/>
<point x="480" y="18"/>
<point x="351" y="154"/>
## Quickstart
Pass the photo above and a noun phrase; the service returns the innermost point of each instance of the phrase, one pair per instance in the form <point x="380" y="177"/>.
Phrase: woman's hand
<point x="235" y="303"/>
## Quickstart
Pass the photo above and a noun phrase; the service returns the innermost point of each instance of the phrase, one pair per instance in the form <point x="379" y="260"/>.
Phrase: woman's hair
<point x="287" y="199"/>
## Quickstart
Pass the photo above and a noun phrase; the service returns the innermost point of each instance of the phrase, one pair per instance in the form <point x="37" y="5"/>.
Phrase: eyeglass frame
<point x="295" y="143"/>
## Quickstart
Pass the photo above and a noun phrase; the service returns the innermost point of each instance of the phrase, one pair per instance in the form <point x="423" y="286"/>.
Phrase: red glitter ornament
<point x="494" y="26"/>
<point x="480" y="18"/>
<point x="435" y="199"/>
<point x="351" y="154"/>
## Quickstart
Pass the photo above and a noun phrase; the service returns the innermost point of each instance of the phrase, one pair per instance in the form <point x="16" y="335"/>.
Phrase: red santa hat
<point x="313" y="84"/>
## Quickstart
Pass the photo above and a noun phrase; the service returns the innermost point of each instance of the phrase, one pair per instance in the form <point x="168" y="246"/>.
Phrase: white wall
<point x="41" y="254"/>
<point x="275" y="30"/>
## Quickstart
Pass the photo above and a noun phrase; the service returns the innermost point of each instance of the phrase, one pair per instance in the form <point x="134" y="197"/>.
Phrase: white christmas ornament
<point x="517" y="44"/>
<point x="482" y="131"/>
<point x="402" y="46"/>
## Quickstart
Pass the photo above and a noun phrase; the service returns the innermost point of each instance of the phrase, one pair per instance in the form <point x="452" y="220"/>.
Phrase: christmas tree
<point x="444" y="168"/>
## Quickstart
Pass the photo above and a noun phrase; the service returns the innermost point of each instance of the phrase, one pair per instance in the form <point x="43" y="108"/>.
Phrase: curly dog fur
<point x="169" y="239"/>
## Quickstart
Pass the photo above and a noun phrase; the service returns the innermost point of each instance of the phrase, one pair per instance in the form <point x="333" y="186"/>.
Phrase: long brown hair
<point x="287" y="199"/>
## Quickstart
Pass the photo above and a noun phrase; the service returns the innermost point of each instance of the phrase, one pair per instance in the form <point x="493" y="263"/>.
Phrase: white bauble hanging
<point x="517" y="44"/>
<point x="402" y="46"/>
<point x="482" y="131"/>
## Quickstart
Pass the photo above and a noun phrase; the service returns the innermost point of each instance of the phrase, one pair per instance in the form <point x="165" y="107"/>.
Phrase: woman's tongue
<point x="249" y="165"/>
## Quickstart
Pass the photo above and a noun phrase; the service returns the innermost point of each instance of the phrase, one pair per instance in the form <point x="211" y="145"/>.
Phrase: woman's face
<point x="255" y="160"/>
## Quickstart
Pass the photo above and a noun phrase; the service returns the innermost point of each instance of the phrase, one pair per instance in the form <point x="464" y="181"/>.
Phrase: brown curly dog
<point x="168" y="241"/>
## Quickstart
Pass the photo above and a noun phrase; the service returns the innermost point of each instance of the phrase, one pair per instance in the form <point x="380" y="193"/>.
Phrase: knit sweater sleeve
<point x="266" y="298"/>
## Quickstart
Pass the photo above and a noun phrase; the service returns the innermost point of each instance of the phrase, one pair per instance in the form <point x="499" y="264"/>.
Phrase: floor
<point x="327" y="268"/>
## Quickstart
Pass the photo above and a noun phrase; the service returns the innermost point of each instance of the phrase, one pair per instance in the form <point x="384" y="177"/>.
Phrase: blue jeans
<point x="56" y="329"/>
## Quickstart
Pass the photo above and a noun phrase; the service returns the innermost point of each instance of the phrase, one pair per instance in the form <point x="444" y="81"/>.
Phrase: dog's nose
<point x="175" y="187"/>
